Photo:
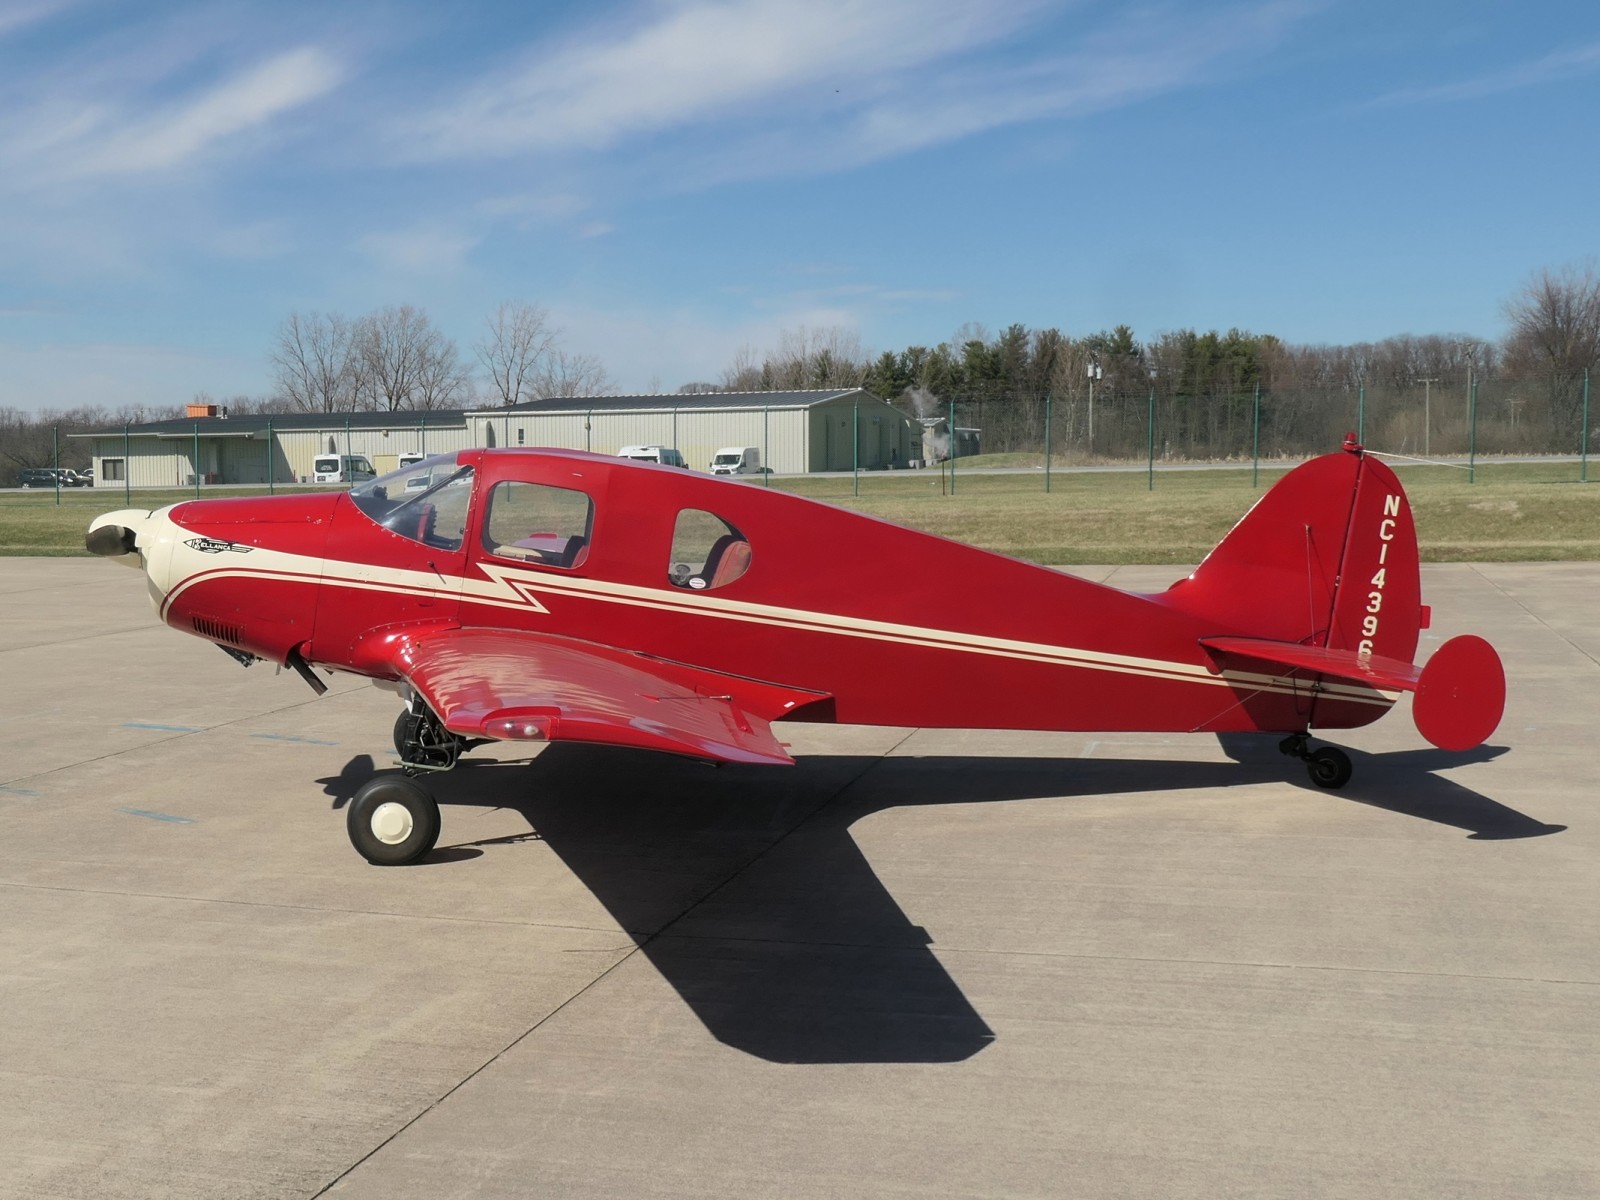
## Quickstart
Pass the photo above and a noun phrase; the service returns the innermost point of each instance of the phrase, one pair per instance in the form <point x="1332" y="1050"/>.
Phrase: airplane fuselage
<point x="895" y="627"/>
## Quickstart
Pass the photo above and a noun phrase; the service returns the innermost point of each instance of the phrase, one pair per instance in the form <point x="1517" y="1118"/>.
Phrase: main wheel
<point x="402" y="730"/>
<point x="392" y="821"/>
<point x="1329" y="766"/>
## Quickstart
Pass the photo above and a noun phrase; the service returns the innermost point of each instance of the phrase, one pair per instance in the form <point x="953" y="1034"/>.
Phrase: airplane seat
<point x="714" y="557"/>
<point x="427" y="517"/>
<point x="574" y="548"/>
<point x="733" y="562"/>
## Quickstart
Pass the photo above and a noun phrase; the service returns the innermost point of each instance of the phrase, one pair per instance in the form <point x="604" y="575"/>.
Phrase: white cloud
<point x="19" y="15"/>
<point x="422" y="251"/>
<point x="71" y="137"/>
<point x="169" y="138"/>
<point x="1552" y="68"/>
<point x="765" y="88"/>
<point x="702" y="61"/>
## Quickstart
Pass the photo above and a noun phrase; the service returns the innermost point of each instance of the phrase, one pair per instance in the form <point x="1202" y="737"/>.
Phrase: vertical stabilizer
<point x="1328" y="558"/>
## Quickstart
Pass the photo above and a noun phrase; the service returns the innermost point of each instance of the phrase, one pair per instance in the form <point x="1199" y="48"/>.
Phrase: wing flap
<point x="501" y="684"/>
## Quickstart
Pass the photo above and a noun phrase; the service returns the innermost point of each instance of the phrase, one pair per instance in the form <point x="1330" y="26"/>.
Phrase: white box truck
<point x="736" y="460"/>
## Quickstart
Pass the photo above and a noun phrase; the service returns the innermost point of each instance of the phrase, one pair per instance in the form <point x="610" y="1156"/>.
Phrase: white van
<point x="665" y="455"/>
<point x="410" y="459"/>
<point x="341" y="468"/>
<point x="736" y="460"/>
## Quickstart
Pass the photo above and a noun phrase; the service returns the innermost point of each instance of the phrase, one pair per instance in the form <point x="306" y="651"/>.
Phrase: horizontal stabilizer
<point x="1460" y="691"/>
<point x="1385" y="674"/>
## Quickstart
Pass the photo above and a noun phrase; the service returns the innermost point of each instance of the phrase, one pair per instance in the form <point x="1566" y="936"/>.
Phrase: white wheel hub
<point x="391" y="823"/>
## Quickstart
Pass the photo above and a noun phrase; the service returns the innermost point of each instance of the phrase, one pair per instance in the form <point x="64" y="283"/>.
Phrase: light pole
<point x="1427" y="419"/>
<point x="1469" y="348"/>
<point x="1094" y="373"/>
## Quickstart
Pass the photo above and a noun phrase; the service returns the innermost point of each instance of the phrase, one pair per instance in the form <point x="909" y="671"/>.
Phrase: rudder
<point x="1328" y="558"/>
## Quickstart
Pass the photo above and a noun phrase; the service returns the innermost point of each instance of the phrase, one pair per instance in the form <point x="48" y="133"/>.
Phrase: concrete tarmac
<point x="921" y="963"/>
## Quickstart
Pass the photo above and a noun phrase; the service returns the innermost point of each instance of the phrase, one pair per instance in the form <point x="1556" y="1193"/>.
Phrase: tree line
<point x="1212" y="394"/>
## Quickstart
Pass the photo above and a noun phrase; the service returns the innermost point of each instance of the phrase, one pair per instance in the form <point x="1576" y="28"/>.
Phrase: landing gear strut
<point x="1328" y="766"/>
<point x="422" y="741"/>
<point x="393" y="819"/>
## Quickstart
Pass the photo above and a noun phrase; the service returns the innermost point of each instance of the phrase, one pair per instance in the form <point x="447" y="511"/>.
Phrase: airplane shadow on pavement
<point x="744" y="887"/>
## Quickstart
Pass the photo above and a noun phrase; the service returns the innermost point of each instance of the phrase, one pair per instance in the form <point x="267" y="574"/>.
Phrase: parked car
<point x="42" y="477"/>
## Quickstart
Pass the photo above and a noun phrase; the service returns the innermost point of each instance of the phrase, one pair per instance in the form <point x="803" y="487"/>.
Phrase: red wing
<point x="501" y="683"/>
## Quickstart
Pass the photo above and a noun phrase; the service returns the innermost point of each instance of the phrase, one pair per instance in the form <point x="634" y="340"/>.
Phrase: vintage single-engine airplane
<point x="547" y="595"/>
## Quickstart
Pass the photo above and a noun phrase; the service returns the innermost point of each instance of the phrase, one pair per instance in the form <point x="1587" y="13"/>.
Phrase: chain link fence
<point x="1128" y="422"/>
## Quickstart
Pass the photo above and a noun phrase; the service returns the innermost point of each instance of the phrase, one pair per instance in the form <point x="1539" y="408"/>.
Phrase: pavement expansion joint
<point x="1535" y="617"/>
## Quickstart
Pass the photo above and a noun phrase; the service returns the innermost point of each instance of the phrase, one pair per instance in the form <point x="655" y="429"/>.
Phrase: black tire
<point x="392" y="821"/>
<point x="402" y="727"/>
<point x="1329" y="767"/>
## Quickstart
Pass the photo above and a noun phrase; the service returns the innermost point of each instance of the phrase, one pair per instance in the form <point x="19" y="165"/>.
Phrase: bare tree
<point x="519" y="339"/>
<point x="743" y="374"/>
<point x="443" y="380"/>
<point x="563" y="374"/>
<point x="1555" y="319"/>
<point x="830" y="357"/>
<point x="1555" y="333"/>
<point x="406" y="362"/>
<point x="315" y="363"/>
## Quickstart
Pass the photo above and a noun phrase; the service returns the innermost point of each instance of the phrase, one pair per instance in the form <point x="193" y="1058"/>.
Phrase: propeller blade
<point x="110" y="541"/>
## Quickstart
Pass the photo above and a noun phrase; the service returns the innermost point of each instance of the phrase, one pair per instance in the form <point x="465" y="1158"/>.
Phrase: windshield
<point x="426" y="502"/>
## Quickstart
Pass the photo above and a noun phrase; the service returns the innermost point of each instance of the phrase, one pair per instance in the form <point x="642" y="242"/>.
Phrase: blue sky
<point x="675" y="179"/>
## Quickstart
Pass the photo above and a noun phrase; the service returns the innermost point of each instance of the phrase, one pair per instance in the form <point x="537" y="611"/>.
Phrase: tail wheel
<point x="1329" y="767"/>
<point x="393" y="821"/>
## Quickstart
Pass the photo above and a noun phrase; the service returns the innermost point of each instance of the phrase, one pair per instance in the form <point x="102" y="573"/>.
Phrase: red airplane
<point x="550" y="595"/>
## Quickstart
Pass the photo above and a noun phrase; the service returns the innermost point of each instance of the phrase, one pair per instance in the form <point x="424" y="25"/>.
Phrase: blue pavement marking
<point x="155" y="816"/>
<point x="16" y="791"/>
<point x="163" y="728"/>
<point x="287" y="737"/>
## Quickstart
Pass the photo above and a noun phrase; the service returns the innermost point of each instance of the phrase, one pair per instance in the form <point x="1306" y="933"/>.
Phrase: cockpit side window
<point x="707" y="552"/>
<point x="427" y="503"/>
<point x="537" y="523"/>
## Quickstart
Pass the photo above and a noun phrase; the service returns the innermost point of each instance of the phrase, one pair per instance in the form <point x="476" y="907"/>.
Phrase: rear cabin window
<point x="537" y="523"/>
<point x="707" y="552"/>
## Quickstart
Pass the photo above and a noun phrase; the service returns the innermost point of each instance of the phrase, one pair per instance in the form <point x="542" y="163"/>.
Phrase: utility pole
<point x="1427" y="418"/>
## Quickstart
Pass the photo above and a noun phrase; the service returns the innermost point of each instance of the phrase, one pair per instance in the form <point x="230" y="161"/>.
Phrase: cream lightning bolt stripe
<point x="700" y="603"/>
<point x="515" y="588"/>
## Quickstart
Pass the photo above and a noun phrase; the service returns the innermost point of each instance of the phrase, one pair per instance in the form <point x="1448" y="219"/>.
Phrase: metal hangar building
<point x="796" y="431"/>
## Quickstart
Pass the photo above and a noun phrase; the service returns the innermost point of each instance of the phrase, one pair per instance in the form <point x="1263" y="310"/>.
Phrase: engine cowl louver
<point x="216" y="630"/>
